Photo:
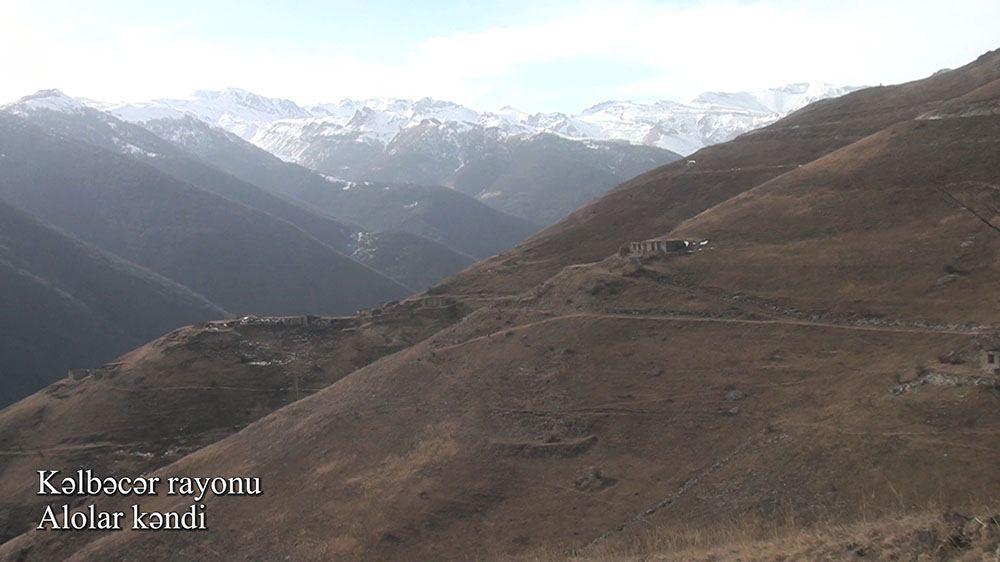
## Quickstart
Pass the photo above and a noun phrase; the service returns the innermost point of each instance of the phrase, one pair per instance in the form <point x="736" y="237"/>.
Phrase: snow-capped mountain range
<point x="233" y="109"/>
<point x="279" y="125"/>
<point x="538" y="167"/>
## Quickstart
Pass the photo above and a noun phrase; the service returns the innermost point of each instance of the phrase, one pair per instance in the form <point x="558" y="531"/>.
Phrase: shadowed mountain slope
<point x="68" y="305"/>
<point x="107" y="131"/>
<point x="540" y="178"/>
<point x="411" y="260"/>
<point x="233" y="155"/>
<point x="501" y="170"/>
<point x="545" y="177"/>
<point x="451" y="218"/>
<point x="240" y="258"/>
<point x="434" y="212"/>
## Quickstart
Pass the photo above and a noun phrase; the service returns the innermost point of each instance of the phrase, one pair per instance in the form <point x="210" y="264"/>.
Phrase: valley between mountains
<point x="807" y="381"/>
<point x="176" y="187"/>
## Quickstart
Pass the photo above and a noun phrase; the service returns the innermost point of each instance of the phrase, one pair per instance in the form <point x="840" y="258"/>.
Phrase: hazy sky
<point x="533" y="54"/>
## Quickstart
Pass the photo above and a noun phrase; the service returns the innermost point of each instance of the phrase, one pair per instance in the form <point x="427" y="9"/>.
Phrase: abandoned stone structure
<point x="658" y="246"/>
<point x="436" y="302"/>
<point x="293" y="320"/>
<point x="309" y="320"/>
<point x="79" y="374"/>
<point x="991" y="361"/>
<point x="318" y="321"/>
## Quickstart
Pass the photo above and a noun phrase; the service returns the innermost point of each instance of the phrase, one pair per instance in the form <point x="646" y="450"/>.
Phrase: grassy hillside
<point x="185" y="390"/>
<point x="655" y="203"/>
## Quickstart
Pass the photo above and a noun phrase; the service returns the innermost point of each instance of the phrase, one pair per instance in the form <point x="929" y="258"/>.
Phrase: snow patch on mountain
<point x="52" y="100"/>
<point x="236" y="110"/>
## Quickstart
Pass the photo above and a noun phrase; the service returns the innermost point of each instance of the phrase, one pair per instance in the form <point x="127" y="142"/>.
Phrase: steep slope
<point x="539" y="177"/>
<point x="187" y="389"/>
<point x="411" y="260"/>
<point x="431" y="152"/>
<point x="321" y="146"/>
<point x="414" y="261"/>
<point x="614" y="393"/>
<point x="434" y="212"/>
<point x="69" y="305"/>
<point x="546" y="177"/>
<point x="240" y="258"/>
<point x="63" y="116"/>
<point x="923" y="189"/>
<point x="656" y="202"/>
<point x="540" y="434"/>
<point x="235" y="156"/>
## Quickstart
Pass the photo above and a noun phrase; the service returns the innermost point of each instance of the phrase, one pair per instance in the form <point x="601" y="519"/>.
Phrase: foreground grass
<point x="927" y="535"/>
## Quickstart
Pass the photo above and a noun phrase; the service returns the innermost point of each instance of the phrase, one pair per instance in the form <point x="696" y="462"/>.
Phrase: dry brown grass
<point x="936" y="533"/>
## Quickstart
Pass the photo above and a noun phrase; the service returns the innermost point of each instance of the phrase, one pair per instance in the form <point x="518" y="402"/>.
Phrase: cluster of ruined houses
<point x="307" y="320"/>
<point x="332" y="321"/>
<point x="436" y="302"/>
<point x="659" y="247"/>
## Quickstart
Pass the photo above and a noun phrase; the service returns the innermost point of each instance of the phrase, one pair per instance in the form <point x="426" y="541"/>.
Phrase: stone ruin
<point x="991" y="360"/>
<point x="659" y="247"/>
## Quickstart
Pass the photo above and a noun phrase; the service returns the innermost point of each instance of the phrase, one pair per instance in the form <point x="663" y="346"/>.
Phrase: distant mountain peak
<point x="238" y="92"/>
<point x="607" y="104"/>
<point x="233" y="93"/>
<point x="47" y="93"/>
<point x="51" y="99"/>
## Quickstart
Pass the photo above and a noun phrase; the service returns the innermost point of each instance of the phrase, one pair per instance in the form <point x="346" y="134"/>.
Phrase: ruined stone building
<point x="658" y="246"/>
<point x="992" y="361"/>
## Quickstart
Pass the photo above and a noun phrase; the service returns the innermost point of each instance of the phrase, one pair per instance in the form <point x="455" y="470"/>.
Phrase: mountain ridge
<point x="437" y="142"/>
<point x="247" y="114"/>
